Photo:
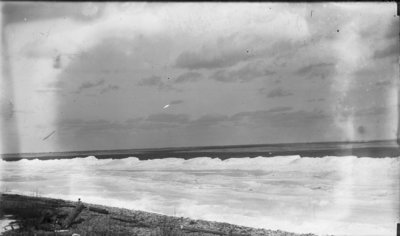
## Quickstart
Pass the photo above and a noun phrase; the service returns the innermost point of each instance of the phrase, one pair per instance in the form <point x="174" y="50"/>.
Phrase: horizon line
<point x="207" y="146"/>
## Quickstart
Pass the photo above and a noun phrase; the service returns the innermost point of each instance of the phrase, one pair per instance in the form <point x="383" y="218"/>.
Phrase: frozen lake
<point x="330" y="195"/>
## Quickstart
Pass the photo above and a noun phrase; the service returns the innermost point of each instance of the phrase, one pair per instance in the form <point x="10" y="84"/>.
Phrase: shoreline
<point x="361" y="152"/>
<point x="105" y="220"/>
<point x="376" y="149"/>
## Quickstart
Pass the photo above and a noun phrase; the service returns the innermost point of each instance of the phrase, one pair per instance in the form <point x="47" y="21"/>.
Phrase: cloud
<point x="88" y="85"/>
<point x="226" y="51"/>
<point x="288" y="120"/>
<point x="48" y="90"/>
<point x="278" y="92"/>
<point x="35" y="11"/>
<point x="246" y="73"/>
<point x="280" y="109"/>
<point x="316" y="70"/>
<point x="236" y="43"/>
<point x="260" y="113"/>
<point x="118" y="58"/>
<point x="176" y="102"/>
<point x="379" y="73"/>
<point x="299" y="117"/>
<point x="157" y="121"/>
<point x="225" y="43"/>
<point x="188" y="77"/>
<point x="134" y="120"/>
<point x="314" y="67"/>
<point x="277" y="116"/>
<point x="368" y="112"/>
<point x="157" y="125"/>
<point x="150" y="81"/>
<point x="208" y="60"/>
<point x="75" y="124"/>
<point x="327" y="19"/>
<point x="6" y="108"/>
<point x="168" y="118"/>
<point x="383" y="83"/>
<point x="393" y="30"/>
<point x="110" y="87"/>
<point x="281" y="116"/>
<point x="391" y="50"/>
<point x="155" y="81"/>
<point x="56" y="84"/>
<point x="316" y="100"/>
<point x="371" y="111"/>
<point x="234" y="49"/>
<point x="209" y="120"/>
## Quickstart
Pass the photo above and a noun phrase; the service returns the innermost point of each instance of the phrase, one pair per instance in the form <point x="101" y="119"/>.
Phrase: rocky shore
<point x="45" y="216"/>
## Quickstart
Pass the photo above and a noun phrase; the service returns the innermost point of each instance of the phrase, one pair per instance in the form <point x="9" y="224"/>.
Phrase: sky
<point x="91" y="76"/>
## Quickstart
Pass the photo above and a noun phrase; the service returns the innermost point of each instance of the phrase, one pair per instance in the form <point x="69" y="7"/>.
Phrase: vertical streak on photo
<point x="9" y="135"/>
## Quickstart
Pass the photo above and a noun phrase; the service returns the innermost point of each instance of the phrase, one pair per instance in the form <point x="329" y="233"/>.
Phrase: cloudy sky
<point x="139" y="75"/>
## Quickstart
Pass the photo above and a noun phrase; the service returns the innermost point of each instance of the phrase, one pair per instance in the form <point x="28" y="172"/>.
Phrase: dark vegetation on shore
<point x="45" y="216"/>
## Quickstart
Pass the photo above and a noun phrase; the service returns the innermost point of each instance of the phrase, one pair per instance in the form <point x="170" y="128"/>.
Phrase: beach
<point x="103" y="220"/>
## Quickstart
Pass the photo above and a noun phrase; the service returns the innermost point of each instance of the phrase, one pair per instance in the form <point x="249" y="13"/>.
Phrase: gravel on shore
<point x="46" y="216"/>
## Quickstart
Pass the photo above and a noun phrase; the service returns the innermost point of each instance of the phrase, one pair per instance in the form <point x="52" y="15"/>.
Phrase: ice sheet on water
<point x="329" y="195"/>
